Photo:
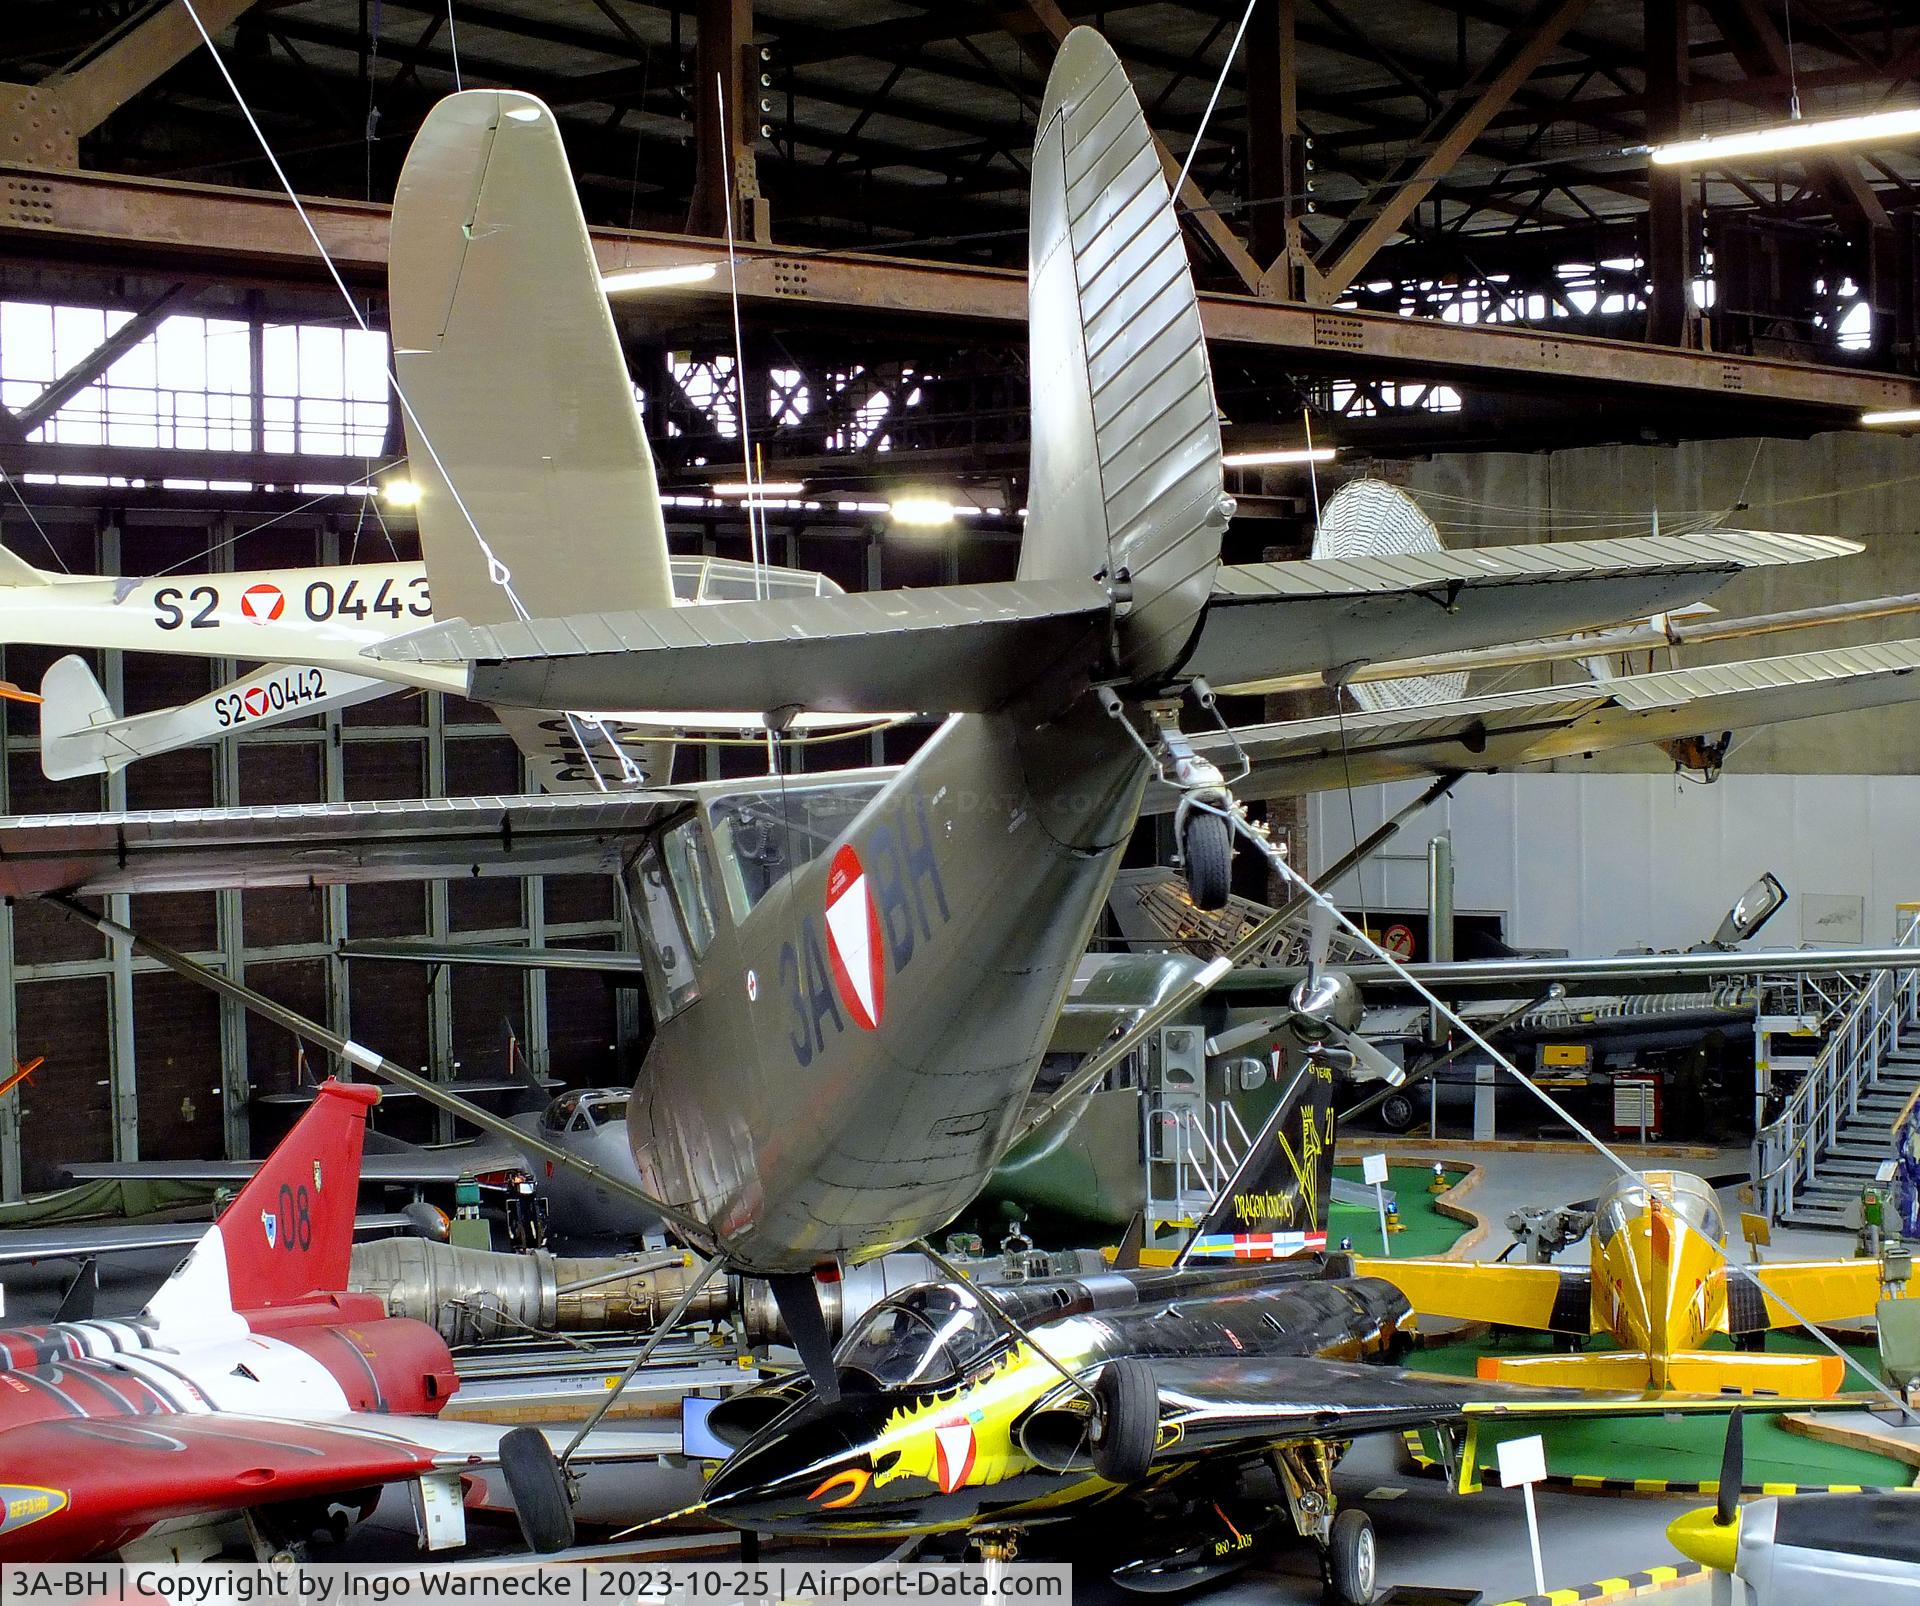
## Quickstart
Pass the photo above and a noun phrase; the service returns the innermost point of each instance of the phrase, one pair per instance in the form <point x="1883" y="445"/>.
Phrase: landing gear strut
<point x="1201" y="823"/>
<point x="1348" y="1556"/>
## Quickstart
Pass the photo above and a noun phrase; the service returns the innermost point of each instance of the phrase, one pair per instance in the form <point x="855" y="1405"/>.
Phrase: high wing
<point x="1506" y="729"/>
<point x="1544" y="1299"/>
<point x="317" y="844"/>
<point x="114" y="1478"/>
<point x="973" y="645"/>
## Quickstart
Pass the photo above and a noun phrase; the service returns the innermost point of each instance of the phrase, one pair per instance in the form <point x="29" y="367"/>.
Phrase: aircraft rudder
<point x="73" y="707"/>
<point x="289" y="1232"/>
<point x="1277" y="1202"/>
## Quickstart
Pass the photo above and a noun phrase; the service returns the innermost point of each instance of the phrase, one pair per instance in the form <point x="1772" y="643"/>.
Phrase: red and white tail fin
<point x="289" y="1233"/>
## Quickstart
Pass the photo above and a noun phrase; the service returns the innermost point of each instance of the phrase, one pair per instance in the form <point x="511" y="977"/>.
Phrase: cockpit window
<point x="559" y="1112"/>
<point x="764" y="836"/>
<point x="1692" y="1202"/>
<point x="691" y="871"/>
<point x="605" y="1112"/>
<point x="923" y="1338"/>
<point x="670" y="979"/>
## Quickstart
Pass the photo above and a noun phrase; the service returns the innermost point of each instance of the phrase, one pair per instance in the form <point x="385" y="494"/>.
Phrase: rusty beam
<point x="214" y="234"/>
<point x="46" y="121"/>
<point x="1526" y="48"/>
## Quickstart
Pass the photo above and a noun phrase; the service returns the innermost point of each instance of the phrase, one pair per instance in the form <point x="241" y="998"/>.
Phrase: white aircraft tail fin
<point x="507" y="352"/>
<point x="73" y="711"/>
<point x="16" y="571"/>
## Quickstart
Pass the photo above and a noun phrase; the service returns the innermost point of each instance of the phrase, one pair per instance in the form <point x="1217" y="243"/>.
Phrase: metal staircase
<point x="1835" y="1133"/>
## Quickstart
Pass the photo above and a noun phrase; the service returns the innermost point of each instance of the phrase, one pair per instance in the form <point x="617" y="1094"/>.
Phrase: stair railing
<point x="1789" y="1150"/>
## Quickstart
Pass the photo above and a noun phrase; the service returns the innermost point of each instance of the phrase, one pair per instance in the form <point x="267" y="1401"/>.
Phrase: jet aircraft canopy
<point x="923" y="1337"/>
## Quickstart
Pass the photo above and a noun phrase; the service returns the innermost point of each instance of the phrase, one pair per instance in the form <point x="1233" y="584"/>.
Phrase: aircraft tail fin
<point x="1126" y="477"/>
<point x="1275" y="1203"/>
<point x="73" y="711"/>
<point x="507" y="352"/>
<point x="288" y="1235"/>
<point x="16" y="571"/>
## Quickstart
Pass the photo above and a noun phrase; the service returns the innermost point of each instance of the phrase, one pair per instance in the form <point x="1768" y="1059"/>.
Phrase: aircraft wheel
<point x="1397" y="1112"/>
<point x="1352" y="1559"/>
<point x="539" y="1489"/>
<point x="1126" y="1421"/>
<point x="1207" y="847"/>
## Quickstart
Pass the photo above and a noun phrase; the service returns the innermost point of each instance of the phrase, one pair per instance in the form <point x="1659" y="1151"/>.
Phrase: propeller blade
<point x="1369" y="1064"/>
<point x="1732" y="1462"/>
<point x="1319" y="940"/>
<point x="1249" y="1032"/>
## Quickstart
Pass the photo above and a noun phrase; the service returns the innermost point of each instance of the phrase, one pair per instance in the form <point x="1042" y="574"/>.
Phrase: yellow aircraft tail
<point x="1685" y="1371"/>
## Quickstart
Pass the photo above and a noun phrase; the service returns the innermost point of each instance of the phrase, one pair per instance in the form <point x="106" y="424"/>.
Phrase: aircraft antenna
<point x="1213" y="100"/>
<point x="497" y="571"/>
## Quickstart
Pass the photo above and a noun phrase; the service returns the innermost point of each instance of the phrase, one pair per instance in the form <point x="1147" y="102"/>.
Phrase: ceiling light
<point x="763" y="488"/>
<point x="1798" y="135"/>
<point x="658" y="278"/>
<point x="1291" y="454"/>
<point x="921" y="512"/>
<point x="1899" y="415"/>
<point x="400" y="493"/>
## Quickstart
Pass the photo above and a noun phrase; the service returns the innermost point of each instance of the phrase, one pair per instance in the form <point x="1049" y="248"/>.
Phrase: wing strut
<point x="363" y="1058"/>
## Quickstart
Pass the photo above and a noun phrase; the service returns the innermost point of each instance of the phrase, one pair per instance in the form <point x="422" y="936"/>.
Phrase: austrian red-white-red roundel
<point x="853" y="939"/>
<point x="954" y="1448"/>
<point x="262" y="603"/>
<point x="256" y="700"/>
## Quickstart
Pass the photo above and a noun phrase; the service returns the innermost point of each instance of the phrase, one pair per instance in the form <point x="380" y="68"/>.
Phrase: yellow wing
<point x="1819" y="1290"/>
<point x="1548" y="1299"/>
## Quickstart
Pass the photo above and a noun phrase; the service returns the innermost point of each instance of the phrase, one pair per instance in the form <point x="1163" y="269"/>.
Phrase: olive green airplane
<point x="855" y="975"/>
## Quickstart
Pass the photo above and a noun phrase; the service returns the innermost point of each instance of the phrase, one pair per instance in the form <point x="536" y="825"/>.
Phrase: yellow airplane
<point x="1659" y="1285"/>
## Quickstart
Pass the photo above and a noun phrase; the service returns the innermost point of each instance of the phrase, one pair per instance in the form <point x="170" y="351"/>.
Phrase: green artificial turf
<point x="1428" y="1232"/>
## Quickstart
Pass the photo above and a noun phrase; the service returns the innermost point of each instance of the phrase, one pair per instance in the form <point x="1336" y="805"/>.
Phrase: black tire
<point x="1352" y="1560"/>
<point x="1126" y="1423"/>
<point x="1208" y="850"/>
<point x="540" y="1497"/>
<point x="1397" y="1112"/>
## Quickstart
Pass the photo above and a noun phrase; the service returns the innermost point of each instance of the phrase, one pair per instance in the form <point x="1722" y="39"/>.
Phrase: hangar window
<point x="763" y="836"/>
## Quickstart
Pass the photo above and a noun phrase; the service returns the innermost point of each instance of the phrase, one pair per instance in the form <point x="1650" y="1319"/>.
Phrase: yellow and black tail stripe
<point x="1593" y="1483"/>
<point x="1623" y="1588"/>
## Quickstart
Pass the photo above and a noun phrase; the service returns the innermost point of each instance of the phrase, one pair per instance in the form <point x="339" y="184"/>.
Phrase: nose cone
<point x="1699" y="1538"/>
<point x="803" y="1474"/>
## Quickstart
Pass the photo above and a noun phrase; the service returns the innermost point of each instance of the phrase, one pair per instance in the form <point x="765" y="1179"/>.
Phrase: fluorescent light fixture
<point x="658" y="278"/>
<point x="400" y="493"/>
<point x="1800" y="135"/>
<point x="1899" y="415"/>
<point x="921" y="512"/>
<point x="764" y="488"/>
<point x="1290" y="454"/>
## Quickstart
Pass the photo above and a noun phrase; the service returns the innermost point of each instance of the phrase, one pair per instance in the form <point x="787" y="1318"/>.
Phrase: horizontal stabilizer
<point x="1273" y="619"/>
<point x="944" y="648"/>
<point x="319" y="844"/>
<point x="1687" y="1371"/>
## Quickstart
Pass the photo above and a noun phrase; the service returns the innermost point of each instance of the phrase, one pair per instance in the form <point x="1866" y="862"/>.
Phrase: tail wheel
<point x="1207" y="847"/>
<point x="1352" y="1560"/>
<point x="541" y="1499"/>
<point x="1126" y="1421"/>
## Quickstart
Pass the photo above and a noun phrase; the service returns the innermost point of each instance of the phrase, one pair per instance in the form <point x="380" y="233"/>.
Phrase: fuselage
<point x="944" y="1424"/>
<point x="1659" y="1251"/>
<point x="300" y="1364"/>
<point x="849" y="1035"/>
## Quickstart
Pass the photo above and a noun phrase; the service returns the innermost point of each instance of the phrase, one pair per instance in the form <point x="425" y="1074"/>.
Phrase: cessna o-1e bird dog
<point x="855" y="974"/>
